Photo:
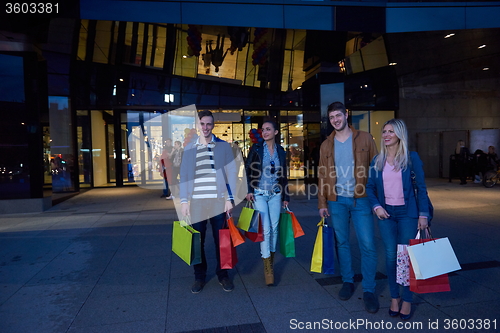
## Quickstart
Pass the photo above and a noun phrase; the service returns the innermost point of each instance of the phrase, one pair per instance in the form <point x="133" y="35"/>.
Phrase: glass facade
<point x="119" y="77"/>
<point x="223" y="69"/>
<point x="14" y="148"/>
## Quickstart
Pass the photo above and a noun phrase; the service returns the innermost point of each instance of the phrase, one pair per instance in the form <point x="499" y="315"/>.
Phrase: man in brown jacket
<point x="343" y="172"/>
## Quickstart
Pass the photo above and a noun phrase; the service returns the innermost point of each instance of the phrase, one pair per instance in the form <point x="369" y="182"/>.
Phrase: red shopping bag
<point x="227" y="251"/>
<point x="433" y="285"/>
<point x="256" y="236"/>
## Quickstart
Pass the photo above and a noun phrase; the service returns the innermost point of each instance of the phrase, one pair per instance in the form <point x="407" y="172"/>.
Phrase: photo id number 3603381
<point x="32" y="8"/>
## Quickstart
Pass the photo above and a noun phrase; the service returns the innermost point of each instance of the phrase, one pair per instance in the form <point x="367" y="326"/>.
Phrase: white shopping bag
<point x="433" y="258"/>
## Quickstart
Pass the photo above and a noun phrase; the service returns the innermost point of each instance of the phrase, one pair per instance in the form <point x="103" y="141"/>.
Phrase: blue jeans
<point x="397" y="229"/>
<point x="200" y="209"/>
<point x="358" y="211"/>
<point x="268" y="204"/>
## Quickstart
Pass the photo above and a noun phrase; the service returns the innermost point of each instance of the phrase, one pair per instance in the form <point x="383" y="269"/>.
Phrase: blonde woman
<point x="392" y="197"/>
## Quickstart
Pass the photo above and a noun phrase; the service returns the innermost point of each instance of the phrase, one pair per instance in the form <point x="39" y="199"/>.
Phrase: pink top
<point x="393" y="186"/>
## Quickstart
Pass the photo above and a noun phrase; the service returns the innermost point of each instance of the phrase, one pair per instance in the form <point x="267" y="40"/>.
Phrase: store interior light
<point x="169" y="98"/>
<point x="486" y="69"/>
<point x="482" y="46"/>
<point x="393" y="64"/>
<point x="449" y="35"/>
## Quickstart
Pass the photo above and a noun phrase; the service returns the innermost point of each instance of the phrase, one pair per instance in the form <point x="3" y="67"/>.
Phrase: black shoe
<point x="226" y="284"/>
<point x="346" y="291"/>
<point x="197" y="286"/>
<point x="405" y="316"/>
<point x="162" y="196"/>
<point x="371" y="302"/>
<point x="393" y="313"/>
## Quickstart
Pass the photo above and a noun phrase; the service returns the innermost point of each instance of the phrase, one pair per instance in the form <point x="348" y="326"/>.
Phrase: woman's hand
<point x="381" y="213"/>
<point x="423" y="223"/>
<point x="250" y="197"/>
<point x="285" y="204"/>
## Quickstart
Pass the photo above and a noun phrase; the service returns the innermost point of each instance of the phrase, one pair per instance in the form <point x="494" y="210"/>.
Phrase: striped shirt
<point x="205" y="181"/>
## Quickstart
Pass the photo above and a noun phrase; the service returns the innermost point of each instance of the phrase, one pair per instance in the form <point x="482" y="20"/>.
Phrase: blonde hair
<point x="401" y="159"/>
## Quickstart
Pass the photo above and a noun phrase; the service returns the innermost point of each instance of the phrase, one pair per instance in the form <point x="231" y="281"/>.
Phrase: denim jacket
<point x="253" y="169"/>
<point x="375" y="188"/>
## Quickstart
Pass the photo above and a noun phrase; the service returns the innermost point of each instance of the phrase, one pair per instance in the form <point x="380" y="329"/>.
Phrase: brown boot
<point x="268" y="271"/>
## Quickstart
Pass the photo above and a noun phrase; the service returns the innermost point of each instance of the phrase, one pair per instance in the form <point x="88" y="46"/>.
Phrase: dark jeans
<point x="463" y="171"/>
<point x="174" y="182"/>
<point x="399" y="228"/>
<point x="202" y="212"/>
<point x="166" y="189"/>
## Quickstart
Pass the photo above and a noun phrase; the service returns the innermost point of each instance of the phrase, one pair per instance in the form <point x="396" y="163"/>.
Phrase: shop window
<point x="84" y="148"/>
<point x="371" y="121"/>
<point x="185" y="62"/>
<point x="102" y="42"/>
<point x="61" y="145"/>
<point x="82" y="41"/>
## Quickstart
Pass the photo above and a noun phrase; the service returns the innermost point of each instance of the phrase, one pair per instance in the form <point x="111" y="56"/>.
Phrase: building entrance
<point x="108" y="139"/>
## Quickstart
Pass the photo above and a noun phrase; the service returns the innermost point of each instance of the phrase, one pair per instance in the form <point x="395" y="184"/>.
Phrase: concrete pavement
<point x="102" y="262"/>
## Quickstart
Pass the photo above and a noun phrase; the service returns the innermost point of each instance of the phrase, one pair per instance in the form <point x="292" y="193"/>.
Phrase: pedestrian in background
<point x="176" y="158"/>
<point x="462" y="156"/>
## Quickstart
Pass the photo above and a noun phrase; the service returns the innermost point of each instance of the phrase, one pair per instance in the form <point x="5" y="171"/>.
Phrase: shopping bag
<point x="432" y="257"/>
<point x="435" y="284"/>
<point x="297" y="229"/>
<point x="186" y="243"/>
<point x="403" y="266"/>
<point x="287" y="241"/>
<point x="256" y="236"/>
<point x="227" y="251"/>
<point x="329" y="252"/>
<point x="249" y="218"/>
<point x="236" y="235"/>
<point x="323" y="258"/>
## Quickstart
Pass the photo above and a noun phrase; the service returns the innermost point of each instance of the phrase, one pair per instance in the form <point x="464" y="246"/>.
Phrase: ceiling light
<point x="482" y="46"/>
<point x="486" y="69"/>
<point x="393" y="64"/>
<point x="449" y="35"/>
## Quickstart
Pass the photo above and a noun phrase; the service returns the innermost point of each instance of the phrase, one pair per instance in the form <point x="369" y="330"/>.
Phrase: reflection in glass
<point x="61" y="145"/>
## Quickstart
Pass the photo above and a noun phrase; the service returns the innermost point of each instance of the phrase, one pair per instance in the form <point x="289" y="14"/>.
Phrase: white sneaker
<point x="170" y="197"/>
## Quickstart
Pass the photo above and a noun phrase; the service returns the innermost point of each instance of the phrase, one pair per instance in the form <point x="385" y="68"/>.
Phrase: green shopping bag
<point x="249" y="218"/>
<point x="287" y="240"/>
<point x="186" y="243"/>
